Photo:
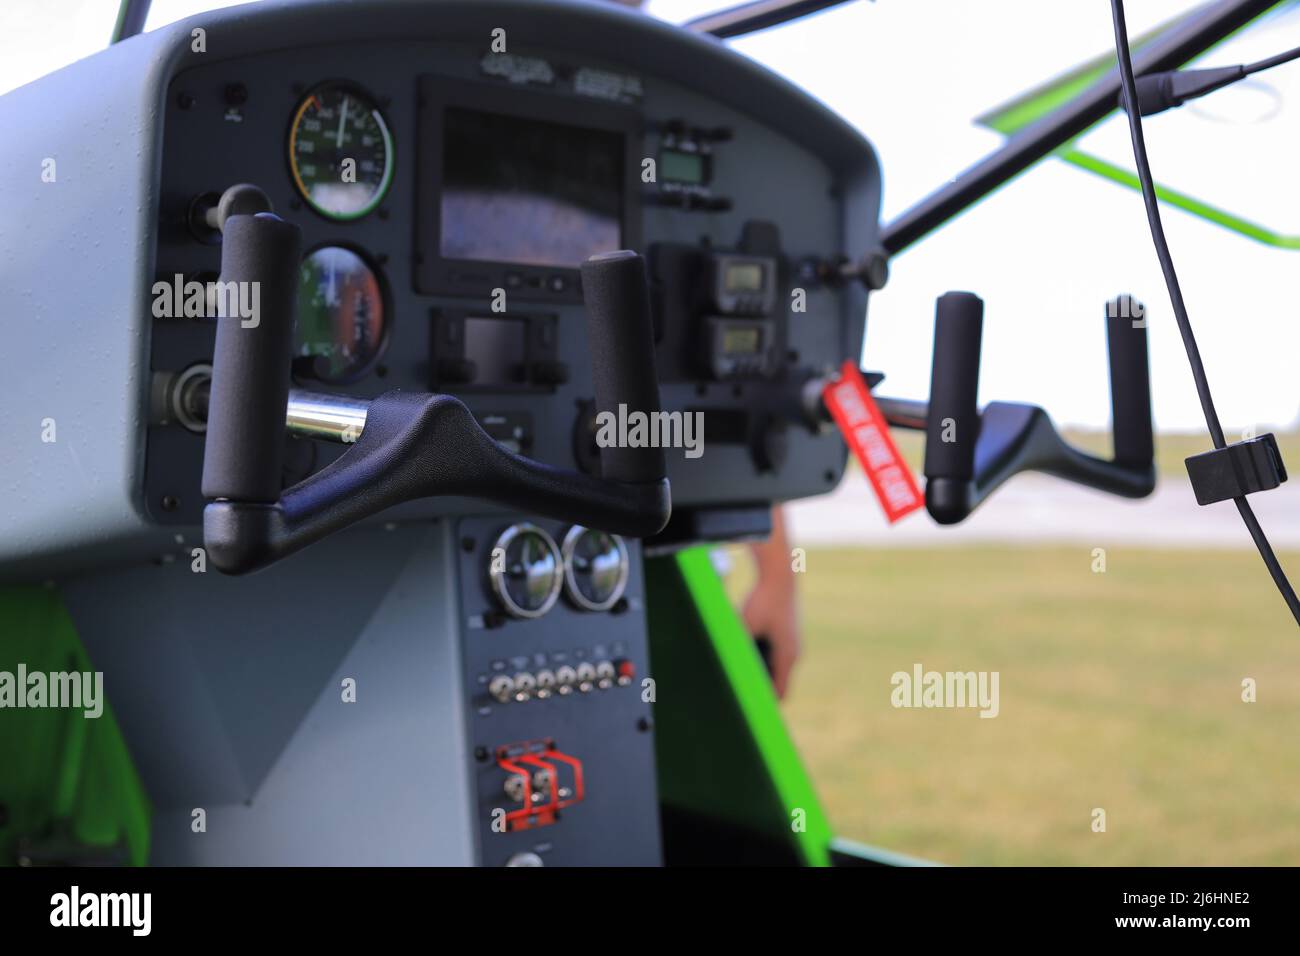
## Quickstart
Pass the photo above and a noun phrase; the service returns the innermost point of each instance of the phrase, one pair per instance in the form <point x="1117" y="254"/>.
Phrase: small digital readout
<point x="744" y="277"/>
<point x="676" y="166"/>
<point x="737" y="340"/>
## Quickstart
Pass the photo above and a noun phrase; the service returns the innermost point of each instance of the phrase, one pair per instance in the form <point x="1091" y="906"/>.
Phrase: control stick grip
<point x="617" y="300"/>
<point x="1130" y="382"/>
<point x="257" y="303"/>
<point x="953" y="423"/>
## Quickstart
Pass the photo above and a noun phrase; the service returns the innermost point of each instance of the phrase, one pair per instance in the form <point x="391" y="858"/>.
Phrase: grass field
<point x="1119" y="690"/>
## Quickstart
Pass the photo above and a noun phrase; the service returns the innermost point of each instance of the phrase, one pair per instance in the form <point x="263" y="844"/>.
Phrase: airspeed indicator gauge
<point x="340" y="152"/>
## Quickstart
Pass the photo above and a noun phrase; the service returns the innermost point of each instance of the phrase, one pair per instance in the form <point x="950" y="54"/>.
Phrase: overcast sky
<point x="1046" y="251"/>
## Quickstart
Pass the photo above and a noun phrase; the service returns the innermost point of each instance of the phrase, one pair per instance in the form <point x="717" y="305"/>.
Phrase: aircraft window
<point x="42" y="35"/>
<point x="163" y="12"/>
<point x="946" y="103"/>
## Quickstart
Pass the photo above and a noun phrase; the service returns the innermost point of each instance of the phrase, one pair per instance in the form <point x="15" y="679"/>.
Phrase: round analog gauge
<point x="526" y="570"/>
<point x="595" y="568"/>
<point x="342" y="327"/>
<point x="340" y="152"/>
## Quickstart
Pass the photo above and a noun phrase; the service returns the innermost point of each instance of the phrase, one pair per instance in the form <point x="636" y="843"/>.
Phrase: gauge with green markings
<point x="340" y="152"/>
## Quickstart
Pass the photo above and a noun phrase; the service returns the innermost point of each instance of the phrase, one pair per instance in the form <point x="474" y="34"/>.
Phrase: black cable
<point x="1272" y="61"/>
<point x="1176" y="297"/>
<point x="1157" y="92"/>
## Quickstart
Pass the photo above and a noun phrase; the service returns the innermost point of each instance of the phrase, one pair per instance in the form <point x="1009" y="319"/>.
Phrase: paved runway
<point x="1036" y="509"/>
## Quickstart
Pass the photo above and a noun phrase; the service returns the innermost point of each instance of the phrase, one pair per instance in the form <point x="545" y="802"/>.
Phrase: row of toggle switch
<point x="564" y="680"/>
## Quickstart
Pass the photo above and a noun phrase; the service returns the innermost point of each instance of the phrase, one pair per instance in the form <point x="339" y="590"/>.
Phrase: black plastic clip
<point x="1235" y="470"/>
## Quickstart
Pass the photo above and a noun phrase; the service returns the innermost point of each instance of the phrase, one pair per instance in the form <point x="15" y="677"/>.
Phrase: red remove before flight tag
<point x="865" y="430"/>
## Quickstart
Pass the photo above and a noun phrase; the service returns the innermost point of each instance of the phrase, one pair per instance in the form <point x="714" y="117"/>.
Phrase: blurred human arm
<point x="771" y="610"/>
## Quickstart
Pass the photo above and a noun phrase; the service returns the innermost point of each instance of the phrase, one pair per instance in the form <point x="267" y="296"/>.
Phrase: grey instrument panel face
<point x="474" y="173"/>
<point x="578" y="683"/>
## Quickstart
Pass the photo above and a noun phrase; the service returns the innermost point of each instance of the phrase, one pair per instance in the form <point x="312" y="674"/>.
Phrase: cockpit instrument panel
<point x="447" y="193"/>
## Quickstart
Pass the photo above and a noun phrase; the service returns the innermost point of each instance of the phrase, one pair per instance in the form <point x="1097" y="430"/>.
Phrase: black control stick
<point x="968" y="454"/>
<point x="953" y="421"/>
<point x="244" y="446"/>
<point x="621" y="337"/>
<point x="413" y="444"/>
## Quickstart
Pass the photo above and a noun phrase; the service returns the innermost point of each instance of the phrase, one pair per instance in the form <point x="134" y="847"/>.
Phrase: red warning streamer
<point x="865" y="430"/>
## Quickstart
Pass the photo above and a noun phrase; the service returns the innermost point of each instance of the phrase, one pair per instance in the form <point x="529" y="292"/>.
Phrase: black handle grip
<point x="244" y="447"/>
<point x="617" y="299"/>
<point x="1130" y="381"/>
<point x="414" y="445"/>
<point x="952" y="425"/>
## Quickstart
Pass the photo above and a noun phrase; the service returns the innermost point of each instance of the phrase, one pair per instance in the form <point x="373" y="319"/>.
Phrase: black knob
<point x="550" y="372"/>
<point x="769" y="444"/>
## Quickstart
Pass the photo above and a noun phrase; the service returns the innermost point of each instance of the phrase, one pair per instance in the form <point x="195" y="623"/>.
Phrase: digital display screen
<point x="741" y="340"/>
<point x="678" y="167"/>
<point x="527" y="192"/>
<point x="497" y="349"/>
<point x="744" y="277"/>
